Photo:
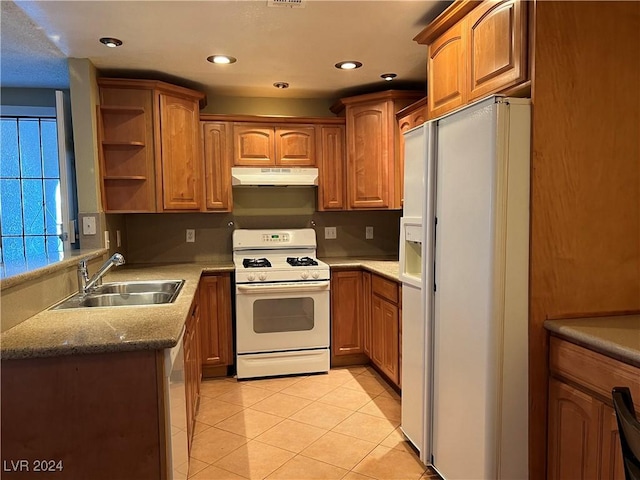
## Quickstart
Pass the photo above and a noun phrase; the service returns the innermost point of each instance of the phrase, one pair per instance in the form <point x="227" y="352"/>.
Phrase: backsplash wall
<point x="153" y="238"/>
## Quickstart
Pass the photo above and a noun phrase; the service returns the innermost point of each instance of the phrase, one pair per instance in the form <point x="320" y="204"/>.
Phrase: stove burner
<point x="255" y="262"/>
<point x="301" y="261"/>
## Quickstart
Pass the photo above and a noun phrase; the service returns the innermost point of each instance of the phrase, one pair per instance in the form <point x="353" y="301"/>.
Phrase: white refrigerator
<point x="474" y="294"/>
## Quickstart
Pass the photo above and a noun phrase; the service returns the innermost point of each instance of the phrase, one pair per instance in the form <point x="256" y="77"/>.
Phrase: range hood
<point x="281" y="177"/>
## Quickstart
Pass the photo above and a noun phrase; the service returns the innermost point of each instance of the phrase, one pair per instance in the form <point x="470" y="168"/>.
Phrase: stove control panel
<point x="276" y="238"/>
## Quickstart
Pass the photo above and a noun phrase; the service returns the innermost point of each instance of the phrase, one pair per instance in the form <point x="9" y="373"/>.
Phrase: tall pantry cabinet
<point x="149" y="146"/>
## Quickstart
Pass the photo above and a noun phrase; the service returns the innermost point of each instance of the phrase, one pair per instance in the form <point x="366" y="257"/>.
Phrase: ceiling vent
<point x="286" y="3"/>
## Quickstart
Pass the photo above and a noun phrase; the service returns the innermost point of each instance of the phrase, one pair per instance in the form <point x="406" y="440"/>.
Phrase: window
<point x="33" y="190"/>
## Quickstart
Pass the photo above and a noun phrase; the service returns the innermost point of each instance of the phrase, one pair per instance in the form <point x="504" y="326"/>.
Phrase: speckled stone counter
<point x="385" y="268"/>
<point x="617" y="337"/>
<point x="111" y="329"/>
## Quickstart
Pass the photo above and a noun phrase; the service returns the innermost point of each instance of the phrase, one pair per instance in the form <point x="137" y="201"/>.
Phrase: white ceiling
<point x="171" y="40"/>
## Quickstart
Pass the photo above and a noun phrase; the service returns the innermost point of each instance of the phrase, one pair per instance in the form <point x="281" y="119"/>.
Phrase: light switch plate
<point x="330" y="233"/>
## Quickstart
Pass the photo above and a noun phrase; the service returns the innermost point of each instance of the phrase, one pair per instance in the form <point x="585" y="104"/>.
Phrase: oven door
<point x="282" y="316"/>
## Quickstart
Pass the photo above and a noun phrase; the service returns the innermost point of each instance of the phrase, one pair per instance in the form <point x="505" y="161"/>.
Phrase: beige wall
<point x="84" y="98"/>
<point x="290" y="107"/>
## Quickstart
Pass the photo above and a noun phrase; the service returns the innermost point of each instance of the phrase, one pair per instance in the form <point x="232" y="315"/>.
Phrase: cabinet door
<point x="391" y="361"/>
<point x="180" y="161"/>
<point x="370" y="155"/>
<point x="385" y="337"/>
<point x="216" y="151"/>
<point x="377" y="327"/>
<point x="253" y="145"/>
<point x="611" y="466"/>
<point x="496" y="51"/>
<point x="296" y="146"/>
<point x="446" y="71"/>
<point x="346" y="313"/>
<point x="331" y="186"/>
<point x="215" y="320"/>
<point x="366" y="289"/>
<point x="574" y="428"/>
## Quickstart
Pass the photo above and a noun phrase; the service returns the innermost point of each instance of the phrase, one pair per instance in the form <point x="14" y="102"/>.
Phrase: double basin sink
<point x="125" y="294"/>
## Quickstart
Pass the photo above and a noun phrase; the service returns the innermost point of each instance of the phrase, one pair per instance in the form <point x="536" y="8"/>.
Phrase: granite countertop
<point x="386" y="268"/>
<point x="617" y="337"/>
<point x="111" y="329"/>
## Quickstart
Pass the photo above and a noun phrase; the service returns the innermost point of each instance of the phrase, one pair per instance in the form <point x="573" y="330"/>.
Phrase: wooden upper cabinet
<point x="496" y="46"/>
<point x="125" y="149"/>
<point x="475" y="49"/>
<point x="373" y="172"/>
<point x="331" y="153"/>
<point x="370" y="156"/>
<point x="149" y="146"/>
<point x="180" y="155"/>
<point x="264" y="145"/>
<point x="295" y="146"/>
<point x="216" y="151"/>
<point x="447" y="71"/>
<point x="253" y="146"/>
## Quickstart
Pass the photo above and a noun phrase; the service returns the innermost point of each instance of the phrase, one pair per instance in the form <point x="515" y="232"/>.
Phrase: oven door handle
<point x="288" y="288"/>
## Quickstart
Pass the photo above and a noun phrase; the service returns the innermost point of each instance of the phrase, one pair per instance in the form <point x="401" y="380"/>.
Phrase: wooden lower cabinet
<point x="365" y="321"/>
<point x="385" y="327"/>
<point x="574" y="427"/>
<point x="98" y="416"/>
<point x="216" y="335"/>
<point x="192" y="366"/>
<point x="347" y="325"/>
<point x="583" y="441"/>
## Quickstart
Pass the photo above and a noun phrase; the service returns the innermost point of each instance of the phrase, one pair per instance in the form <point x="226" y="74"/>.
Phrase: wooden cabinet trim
<point x="452" y="15"/>
<point x="155" y="85"/>
<point x="272" y="121"/>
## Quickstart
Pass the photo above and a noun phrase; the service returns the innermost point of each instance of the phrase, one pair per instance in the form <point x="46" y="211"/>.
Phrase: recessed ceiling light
<point x="281" y="85"/>
<point x="348" y="65"/>
<point x="111" y="42"/>
<point x="388" y="76"/>
<point x="222" y="59"/>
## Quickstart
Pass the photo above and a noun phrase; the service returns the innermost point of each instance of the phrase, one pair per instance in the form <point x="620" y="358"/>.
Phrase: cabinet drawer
<point x="594" y="371"/>
<point x="385" y="288"/>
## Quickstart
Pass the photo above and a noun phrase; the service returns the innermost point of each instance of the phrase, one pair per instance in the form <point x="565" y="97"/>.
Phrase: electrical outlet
<point x="191" y="235"/>
<point x="368" y="233"/>
<point x="89" y="225"/>
<point x="330" y="233"/>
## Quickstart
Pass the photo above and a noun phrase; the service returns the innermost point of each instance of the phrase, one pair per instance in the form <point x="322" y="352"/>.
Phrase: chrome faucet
<point x="85" y="285"/>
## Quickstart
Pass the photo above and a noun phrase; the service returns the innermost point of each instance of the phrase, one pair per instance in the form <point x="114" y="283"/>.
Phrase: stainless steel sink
<point x="162" y="286"/>
<point x="121" y="294"/>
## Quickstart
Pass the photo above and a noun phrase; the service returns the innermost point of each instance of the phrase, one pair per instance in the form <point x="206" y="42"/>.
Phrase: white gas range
<point x="282" y="303"/>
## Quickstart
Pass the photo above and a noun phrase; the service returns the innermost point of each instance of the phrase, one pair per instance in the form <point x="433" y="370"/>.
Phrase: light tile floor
<point x="340" y="425"/>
